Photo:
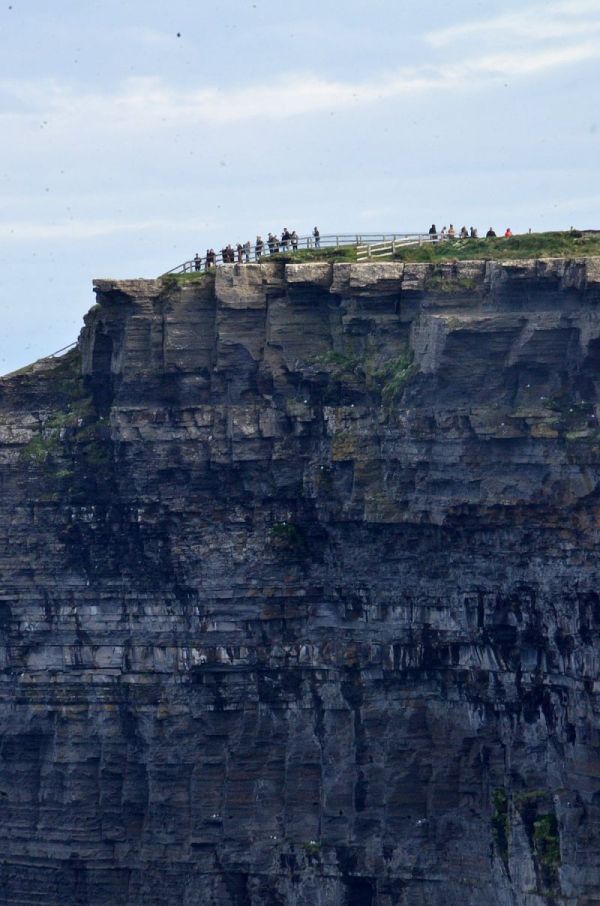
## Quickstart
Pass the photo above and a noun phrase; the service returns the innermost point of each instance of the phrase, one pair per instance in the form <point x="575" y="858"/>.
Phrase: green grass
<point x="343" y="253"/>
<point x="539" y="820"/>
<point x="174" y="280"/>
<point x="74" y="404"/>
<point x="285" y="536"/>
<point x="541" y="828"/>
<point x="501" y="824"/>
<point x="396" y="375"/>
<point x="340" y="364"/>
<point x="530" y="245"/>
<point x="547" y="840"/>
<point x="72" y="438"/>
<point x="388" y="379"/>
<point x="450" y="286"/>
<point x="40" y="448"/>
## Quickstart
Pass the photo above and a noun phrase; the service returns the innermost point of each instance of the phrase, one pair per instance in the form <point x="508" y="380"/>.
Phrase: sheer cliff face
<point x="299" y="593"/>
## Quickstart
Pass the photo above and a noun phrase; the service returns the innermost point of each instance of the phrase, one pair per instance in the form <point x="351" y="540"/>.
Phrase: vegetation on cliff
<point x="72" y="443"/>
<point x="530" y="245"/>
<point x="568" y="244"/>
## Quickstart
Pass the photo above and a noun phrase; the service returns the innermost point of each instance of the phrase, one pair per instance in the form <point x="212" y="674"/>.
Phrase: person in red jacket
<point x="508" y="233"/>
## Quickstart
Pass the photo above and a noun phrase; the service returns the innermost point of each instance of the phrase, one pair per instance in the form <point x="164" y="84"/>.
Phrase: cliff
<point x="299" y="592"/>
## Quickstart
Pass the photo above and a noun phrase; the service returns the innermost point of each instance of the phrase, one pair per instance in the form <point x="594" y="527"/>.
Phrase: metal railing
<point x="44" y="358"/>
<point x="60" y="351"/>
<point x="375" y="243"/>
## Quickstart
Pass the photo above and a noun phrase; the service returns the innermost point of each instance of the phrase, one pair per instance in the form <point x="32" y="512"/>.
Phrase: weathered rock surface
<point x="299" y="593"/>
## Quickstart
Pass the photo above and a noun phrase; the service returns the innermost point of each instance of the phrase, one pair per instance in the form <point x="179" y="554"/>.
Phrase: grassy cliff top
<point x="529" y="245"/>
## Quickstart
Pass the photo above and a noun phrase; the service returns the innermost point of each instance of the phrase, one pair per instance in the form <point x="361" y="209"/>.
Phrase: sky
<point x="134" y="133"/>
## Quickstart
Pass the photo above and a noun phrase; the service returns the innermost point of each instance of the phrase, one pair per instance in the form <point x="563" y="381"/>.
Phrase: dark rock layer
<point x="299" y="593"/>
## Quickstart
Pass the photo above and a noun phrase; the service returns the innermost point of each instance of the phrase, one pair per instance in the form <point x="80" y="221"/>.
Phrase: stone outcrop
<point x="299" y="592"/>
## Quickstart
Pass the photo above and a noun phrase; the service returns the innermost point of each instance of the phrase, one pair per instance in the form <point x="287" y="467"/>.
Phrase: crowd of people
<point x="464" y="233"/>
<point x="242" y="253"/>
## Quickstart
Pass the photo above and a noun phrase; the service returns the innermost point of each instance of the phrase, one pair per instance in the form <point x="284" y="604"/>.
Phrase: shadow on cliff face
<point x="101" y="380"/>
<point x="72" y="467"/>
<point x="236" y="884"/>
<point x="5" y="616"/>
<point x="590" y="370"/>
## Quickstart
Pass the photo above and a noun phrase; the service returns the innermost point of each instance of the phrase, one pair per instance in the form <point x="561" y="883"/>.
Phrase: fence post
<point x="368" y="251"/>
<point x="394" y="246"/>
<point x="337" y="241"/>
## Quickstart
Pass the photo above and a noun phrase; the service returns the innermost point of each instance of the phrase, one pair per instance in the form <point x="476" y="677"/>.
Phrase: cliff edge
<point x="299" y="598"/>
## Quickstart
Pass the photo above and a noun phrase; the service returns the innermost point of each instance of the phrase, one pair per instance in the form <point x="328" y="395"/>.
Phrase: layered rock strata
<point x="299" y="592"/>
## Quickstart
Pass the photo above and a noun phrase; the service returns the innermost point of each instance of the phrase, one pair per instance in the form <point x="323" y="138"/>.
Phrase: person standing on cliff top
<point x="490" y="234"/>
<point x="433" y="232"/>
<point x="474" y="234"/>
<point x="451" y="232"/>
<point x="197" y="262"/>
<point x="247" y="248"/>
<point x="294" y="238"/>
<point x="464" y="233"/>
<point x="240" y="253"/>
<point x="258" y="248"/>
<point x="508" y="234"/>
<point x="317" y="238"/>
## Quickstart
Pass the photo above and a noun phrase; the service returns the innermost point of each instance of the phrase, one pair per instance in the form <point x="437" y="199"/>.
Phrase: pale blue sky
<point x="126" y="147"/>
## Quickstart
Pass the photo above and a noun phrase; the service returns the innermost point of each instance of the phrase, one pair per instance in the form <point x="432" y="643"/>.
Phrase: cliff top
<point x="568" y="244"/>
<point x="529" y="245"/>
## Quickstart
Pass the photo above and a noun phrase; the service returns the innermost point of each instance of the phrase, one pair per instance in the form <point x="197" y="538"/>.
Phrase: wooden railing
<point x="368" y="245"/>
<point x="368" y="250"/>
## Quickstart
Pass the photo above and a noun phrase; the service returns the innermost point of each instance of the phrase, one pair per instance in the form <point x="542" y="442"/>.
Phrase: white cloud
<point x="566" y="19"/>
<point x="515" y="64"/>
<point x="143" y="104"/>
<point x="88" y="229"/>
<point x="552" y="35"/>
